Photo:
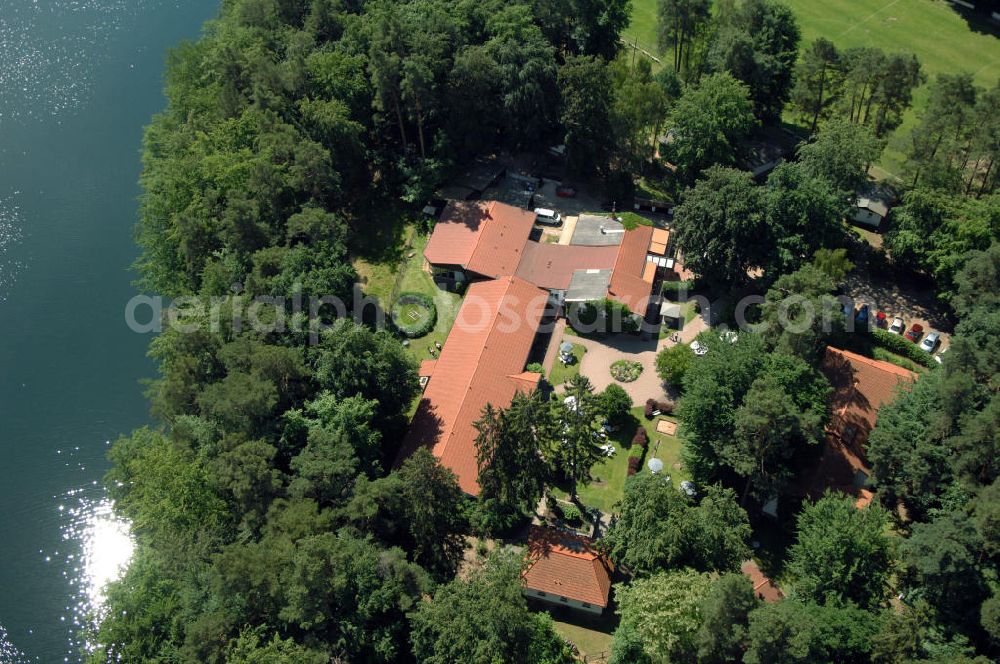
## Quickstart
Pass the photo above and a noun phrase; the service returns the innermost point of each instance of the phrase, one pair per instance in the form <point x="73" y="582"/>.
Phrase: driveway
<point x="603" y="351"/>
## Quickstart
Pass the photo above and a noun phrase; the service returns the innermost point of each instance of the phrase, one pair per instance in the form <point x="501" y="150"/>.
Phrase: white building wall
<point x="557" y="600"/>
<point x="867" y="217"/>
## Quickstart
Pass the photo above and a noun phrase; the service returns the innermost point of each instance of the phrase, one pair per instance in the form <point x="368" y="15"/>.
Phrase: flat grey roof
<point x="588" y="285"/>
<point x="671" y="310"/>
<point x="588" y="231"/>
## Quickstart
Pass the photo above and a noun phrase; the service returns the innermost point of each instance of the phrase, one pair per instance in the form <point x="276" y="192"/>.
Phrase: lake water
<point x="78" y="80"/>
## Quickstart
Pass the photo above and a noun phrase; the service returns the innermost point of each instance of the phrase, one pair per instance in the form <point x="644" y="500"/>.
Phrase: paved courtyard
<point x="603" y="351"/>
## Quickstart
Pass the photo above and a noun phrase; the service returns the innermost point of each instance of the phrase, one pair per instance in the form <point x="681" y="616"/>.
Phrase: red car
<point x="566" y="191"/>
<point x="915" y="332"/>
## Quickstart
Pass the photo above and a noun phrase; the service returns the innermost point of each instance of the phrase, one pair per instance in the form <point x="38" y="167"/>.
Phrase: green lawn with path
<point x="932" y="30"/>
<point x="609" y="475"/>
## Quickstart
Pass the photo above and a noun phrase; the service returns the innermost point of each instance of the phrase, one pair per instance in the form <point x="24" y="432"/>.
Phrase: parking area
<point x="913" y="303"/>
<point x="522" y="189"/>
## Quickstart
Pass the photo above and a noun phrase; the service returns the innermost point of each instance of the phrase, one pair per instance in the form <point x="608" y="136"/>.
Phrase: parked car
<point x="880" y="320"/>
<point x="930" y="342"/>
<point x="897" y="326"/>
<point x="916" y="331"/>
<point x="698" y="348"/>
<point x="566" y="191"/>
<point x="547" y="217"/>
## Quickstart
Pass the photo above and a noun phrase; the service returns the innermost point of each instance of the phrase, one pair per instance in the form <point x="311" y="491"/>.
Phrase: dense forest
<point x="271" y="524"/>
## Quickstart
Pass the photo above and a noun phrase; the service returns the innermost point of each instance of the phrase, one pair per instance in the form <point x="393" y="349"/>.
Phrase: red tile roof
<point x="482" y="362"/>
<point x="567" y="566"/>
<point x="763" y="587"/>
<point x="552" y="265"/>
<point x="627" y="285"/>
<point x="861" y="386"/>
<point x="483" y="237"/>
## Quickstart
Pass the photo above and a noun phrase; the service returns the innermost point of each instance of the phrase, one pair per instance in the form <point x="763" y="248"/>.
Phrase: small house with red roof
<point x="564" y="569"/>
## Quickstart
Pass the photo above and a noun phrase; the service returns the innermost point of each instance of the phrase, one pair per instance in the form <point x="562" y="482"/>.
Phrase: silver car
<point x="897" y="326"/>
<point x="930" y="342"/>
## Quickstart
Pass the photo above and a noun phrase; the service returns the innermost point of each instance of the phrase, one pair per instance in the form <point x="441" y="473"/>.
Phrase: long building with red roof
<point x="482" y="362"/>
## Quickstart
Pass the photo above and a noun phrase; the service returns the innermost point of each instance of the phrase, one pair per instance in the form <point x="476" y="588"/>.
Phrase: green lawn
<point x="930" y="29"/>
<point x="609" y="475"/>
<point x="561" y="374"/>
<point x="403" y="272"/>
<point x="643" y="26"/>
<point x="590" y="642"/>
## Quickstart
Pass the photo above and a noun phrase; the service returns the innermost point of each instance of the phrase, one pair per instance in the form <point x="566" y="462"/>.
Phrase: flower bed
<point x="626" y="371"/>
<point x="414" y="314"/>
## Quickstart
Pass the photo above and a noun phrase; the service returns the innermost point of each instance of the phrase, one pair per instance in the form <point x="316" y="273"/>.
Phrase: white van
<point x="547" y="217"/>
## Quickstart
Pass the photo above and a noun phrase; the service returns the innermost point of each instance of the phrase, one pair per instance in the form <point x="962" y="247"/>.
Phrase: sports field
<point x="931" y="29"/>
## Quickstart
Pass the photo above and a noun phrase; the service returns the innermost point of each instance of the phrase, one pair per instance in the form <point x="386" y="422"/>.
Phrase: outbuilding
<point x="565" y="570"/>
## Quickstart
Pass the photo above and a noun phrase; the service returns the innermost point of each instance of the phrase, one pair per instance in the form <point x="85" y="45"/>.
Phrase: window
<point x="586" y="605"/>
<point x="541" y="593"/>
<point x="563" y="599"/>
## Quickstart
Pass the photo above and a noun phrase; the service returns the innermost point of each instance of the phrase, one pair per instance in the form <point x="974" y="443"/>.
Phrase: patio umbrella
<point x="655" y="465"/>
<point x="565" y="347"/>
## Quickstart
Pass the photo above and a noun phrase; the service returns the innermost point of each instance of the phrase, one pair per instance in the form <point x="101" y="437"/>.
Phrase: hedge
<point x="420" y="327"/>
<point x="900" y="345"/>
<point x="641" y="438"/>
<point x="652" y="405"/>
<point x="673" y="290"/>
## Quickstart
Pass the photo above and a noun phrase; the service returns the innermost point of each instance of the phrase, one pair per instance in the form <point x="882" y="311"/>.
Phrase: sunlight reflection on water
<point x="96" y="548"/>
<point x="105" y="549"/>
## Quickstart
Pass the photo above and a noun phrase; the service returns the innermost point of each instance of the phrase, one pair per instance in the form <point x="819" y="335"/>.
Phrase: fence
<point x="641" y="48"/>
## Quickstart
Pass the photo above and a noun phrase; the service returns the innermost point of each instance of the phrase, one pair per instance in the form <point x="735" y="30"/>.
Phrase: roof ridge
<point x="482" y="348"/>
<point x="888" y="367"/>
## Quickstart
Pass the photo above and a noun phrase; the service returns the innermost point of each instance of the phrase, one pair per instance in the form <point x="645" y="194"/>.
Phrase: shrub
<point x="652" y="405"/>
<point x="406" y="316"/>
<point x="677" y="290"/>
<point x="641" y="438"/>
<point x="536" y="367"/>
<point x="601" y="316"/>
<point x="900" y="345"/>
<point x="571" y="515"/>
<point x="633" y="465"/>
<point x="673" y="363"/>
<point x="615" y="404"/>
<point x="626" y="371"/>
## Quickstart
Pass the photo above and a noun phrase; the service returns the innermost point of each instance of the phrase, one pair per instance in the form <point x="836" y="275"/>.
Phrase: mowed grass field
<point x="935" y="32"/>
